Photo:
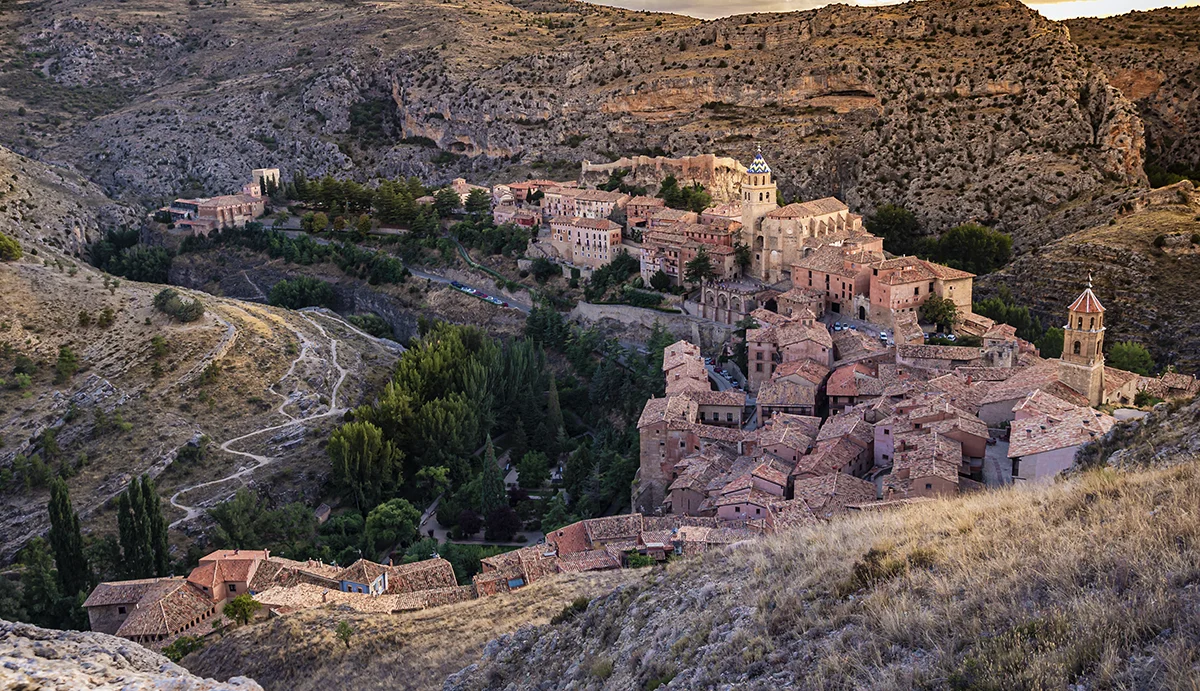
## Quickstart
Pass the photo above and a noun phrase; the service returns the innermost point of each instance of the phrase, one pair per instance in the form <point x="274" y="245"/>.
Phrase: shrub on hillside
<point x="169" y="301"/>
<point x="10" y="249"/>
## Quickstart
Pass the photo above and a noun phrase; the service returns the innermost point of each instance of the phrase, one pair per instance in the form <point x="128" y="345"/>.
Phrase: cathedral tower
<point x="1081" y="366"/>
<point x="759" y="196"/>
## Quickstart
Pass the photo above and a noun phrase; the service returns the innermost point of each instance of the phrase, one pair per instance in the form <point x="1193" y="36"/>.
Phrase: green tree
<point x="445" y="201"/>
<point x="659" y="280"/>
<point x="940" y="311"/>
<point x="156" y="526"/>
<point x="40" y="592"/>
<point x="899" y="228"/>
<point x="10" y="249"/>
<point x="503" y="524"/>
<point x="556" y="515"/>
<point x="433" y="480"/>
<point x="554" y="416"/>
<point x="344" y="632"/>
<point x="242" y="608"/>
<point x="303" y="291"/>
<point x="699" y="268"/>
<point x="1131" y="357"/>
<point x="1050" y="345"/>
<point x="181" y="647"/>
<point x="320" y="222"/>
<point x="133" y="527"/>
<point x="742" y="255"/>
<point x="533" y="470"/>
<point x="492" y="492"/>
<point x="478" y="202"/>
<point x="67" y="365"/>
<point x="576" y="470"/>
<point x="972" y="247"/>
<point x="366" y="466"/>
<point x="362" y="227"/>
<point x="74" y="573"/>
<point x="393" y="522"/>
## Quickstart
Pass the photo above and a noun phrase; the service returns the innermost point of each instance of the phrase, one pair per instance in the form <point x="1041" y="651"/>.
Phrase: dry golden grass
<point x="414" y="650"/>
<point x="1093" y="582"/>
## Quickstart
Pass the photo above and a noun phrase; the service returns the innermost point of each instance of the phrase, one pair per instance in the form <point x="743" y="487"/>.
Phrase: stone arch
<point x="1078" y="346"/>
<point x="759" y="242"/>
<point x="735" y="303"/>
<point x="723" y="301"/>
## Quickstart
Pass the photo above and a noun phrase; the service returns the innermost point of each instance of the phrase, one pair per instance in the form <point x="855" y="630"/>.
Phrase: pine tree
<point x="578" y="468"/>
<point x="492" y="493"/>
<point x="74" y="575"/>
<point x="156" y="527"/>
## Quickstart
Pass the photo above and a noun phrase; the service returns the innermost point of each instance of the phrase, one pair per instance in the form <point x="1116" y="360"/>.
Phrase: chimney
<point x="968" y="379"/>
<point x="325" y="595"/>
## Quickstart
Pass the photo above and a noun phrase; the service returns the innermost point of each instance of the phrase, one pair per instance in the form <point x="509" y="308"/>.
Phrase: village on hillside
<point x="848" y="402"/>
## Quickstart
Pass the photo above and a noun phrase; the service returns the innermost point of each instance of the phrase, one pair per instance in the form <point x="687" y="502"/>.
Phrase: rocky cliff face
<point x="1153" y="58"/>
<point x="36" y="658"/>
<point x="960" y="109"/>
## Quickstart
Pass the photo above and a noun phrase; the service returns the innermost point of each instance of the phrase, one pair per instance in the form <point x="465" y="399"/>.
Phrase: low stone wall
<point x="637" y="321"/>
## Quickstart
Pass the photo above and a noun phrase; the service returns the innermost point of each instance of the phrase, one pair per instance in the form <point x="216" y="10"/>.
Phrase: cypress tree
<point x="492" y="494"/>
<point x="519" y="445"/>
<point x="134" y="533"/>
<point x="554" y="416"/>
<point x="74" y="575"/>
<point x="156" y="527"/>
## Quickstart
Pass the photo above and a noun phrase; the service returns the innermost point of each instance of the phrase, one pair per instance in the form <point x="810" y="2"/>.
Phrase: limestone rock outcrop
<point x="37" y="658"/>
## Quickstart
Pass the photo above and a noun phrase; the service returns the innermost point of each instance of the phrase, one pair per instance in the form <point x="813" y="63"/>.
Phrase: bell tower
<point x="759" y="196"/>
<point x="1081" y="365"/>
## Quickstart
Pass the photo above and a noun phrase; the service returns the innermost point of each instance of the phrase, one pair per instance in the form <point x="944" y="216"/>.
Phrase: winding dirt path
<point x="260" y="461"/>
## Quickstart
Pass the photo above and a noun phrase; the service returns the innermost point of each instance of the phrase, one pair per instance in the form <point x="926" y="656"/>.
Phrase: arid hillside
<point x="1089" y="583"/>
<point x="959" y="109"/>
<point x="244" y="395"/>
<point x="414" y="650"/>
<point x="1144" y="263"/>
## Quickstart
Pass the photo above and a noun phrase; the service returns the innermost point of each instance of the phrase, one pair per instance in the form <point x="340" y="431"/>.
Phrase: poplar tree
<point x="156" y="526"/>
<point x="136" y="547"/>
<point x="554" y="416"/>
<point x="74" y="574"/>
<point x="492" y="493"/>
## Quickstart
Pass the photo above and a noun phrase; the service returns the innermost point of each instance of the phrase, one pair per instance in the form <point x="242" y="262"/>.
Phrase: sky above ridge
<point x="1054" y="9"/>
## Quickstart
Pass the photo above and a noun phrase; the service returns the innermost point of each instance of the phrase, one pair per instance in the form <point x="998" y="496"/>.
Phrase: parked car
<point x="951" y="337"/>
<point x="883" y="336"/>
<point x="853" y="327"/>
<point x="837" y="326"/>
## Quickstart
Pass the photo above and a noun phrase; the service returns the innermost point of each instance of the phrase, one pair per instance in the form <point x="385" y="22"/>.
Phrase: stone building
<point x="203" y="215"/>
<point x="588" y="242"/>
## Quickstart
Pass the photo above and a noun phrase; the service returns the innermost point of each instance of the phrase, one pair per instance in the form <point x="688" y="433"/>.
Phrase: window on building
<point x="682" y="445"/>
<point x="928" y="485"/>
<point x="917" y="290"/>
<point x="233" y="587"/>
<point x="1077" y="347"/>
<point x="758" y="356"/>
<point x="931" y="286"/>
<point x="887" y="431"/>
<point x="121" y="610"/>
<point x="757" y="510"/>
<point x="885" y="456"/>
<point x="729" y="417"/>
<point x="758" y="367"/>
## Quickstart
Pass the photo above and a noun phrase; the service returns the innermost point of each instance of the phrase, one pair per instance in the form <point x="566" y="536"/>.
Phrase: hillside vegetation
<point x="1090" y="582"/>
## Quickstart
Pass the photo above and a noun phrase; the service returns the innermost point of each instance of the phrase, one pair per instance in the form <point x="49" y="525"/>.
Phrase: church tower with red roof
<point x="1081" y="366"/>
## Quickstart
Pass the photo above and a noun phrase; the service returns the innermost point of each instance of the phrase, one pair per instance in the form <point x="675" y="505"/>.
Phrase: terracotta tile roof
<point x="602" y="224"/>
<point x="772" y="475"/>
<point x="790" y="436"/>
<point x="938" y="352"/>
<point x="928" y="454"/>
<point x="847" y="379"/>
<point x="807" y="368"/>
<point x="799" y="333"/>
<point x="809" y="425"/>
<point x="785" y="393"/>
<point x="221" y="554"/>
<point x="1005" y="332"/>
<point x="728" y="397"/>
<point x="594" y="560"/>
<point x="168" y="607"/>
<point x="601" y="196"/>
<point x="750" y="495"/>
<point x="829" y="495"/>
<point x="646" y="201"/>
<point x="1086" y="303"/>
<point x="792" y="513"/>
<point x="1171" y="385"/>
<point x="831" y="456"/>
<point x="1039" y="402"/>
<point x="362" y="571"/>
<point x="1042" y="375"/>
<point x="1047" y="432"/>
<point x="427" y="574"/>
<point x="570" y="539"/>
<point x="944" y="272"/>
<point x="827" y="259"/>
<point x="284" y="572"/>
<point x="817" y="207"/>
<point x="306" y="596"/>
<point x="674" y="409"/>
<point x="613" y="527"/>
<point x="121" y="592"/>
<point x="1116" y="378"/>
<point x="848" y="426"/>
<point x="655" y="538"/>
<point x="717" y="433"/>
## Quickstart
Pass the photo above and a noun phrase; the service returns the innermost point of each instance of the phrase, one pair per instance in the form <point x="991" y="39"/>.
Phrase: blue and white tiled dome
<point x="759" y="165"/>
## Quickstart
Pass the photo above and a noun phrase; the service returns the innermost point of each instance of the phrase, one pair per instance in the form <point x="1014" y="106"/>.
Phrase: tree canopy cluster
<point x="969" y="247"/>
<point x="302" y="291"/>
<point x="690" y="198"/>
<point x="119" y="253"/>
